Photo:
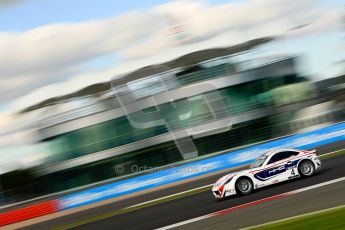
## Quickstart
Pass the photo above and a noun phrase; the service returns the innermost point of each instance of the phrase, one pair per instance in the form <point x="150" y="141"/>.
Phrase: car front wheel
<point x="244" y="186"/>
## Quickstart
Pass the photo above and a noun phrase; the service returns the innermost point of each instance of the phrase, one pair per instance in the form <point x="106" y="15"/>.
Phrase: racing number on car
<point x="292" y="172"/>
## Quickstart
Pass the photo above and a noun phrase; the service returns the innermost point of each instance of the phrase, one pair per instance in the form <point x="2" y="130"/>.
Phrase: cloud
<point x="62" y="45"/>
<point x="328" y="21"/>
<point x="5" y="120"/>
<point x="50" y="60"/>
<point x="43" y="55"/>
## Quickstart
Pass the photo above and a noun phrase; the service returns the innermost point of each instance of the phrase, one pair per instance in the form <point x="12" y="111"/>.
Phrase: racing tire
<point x="244" y="186"/>
<point x="306" y="168"/>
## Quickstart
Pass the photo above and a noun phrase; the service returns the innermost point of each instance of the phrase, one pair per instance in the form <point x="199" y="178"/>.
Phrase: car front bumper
<point x="317" y="163"/>
<point x="228" y="192"/>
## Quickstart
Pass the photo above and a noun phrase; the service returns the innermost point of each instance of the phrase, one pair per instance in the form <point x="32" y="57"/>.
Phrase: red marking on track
<point x="276" y="197"/>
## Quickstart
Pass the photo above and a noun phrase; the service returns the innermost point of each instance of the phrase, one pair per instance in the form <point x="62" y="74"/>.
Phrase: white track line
<point x="251" y="203"/>
<point x="325" y="154"/>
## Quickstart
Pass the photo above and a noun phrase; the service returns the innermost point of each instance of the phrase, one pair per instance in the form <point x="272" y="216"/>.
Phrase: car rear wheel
<point x="306" y="168"/>
<point x="244" y="186"/>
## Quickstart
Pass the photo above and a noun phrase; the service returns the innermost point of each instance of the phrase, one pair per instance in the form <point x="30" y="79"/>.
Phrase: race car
<point x="270" y="168"/>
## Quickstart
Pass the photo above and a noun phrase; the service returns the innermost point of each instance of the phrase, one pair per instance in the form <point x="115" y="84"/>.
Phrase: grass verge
<point x="325" y="219"/>
<point x="333" y="154"/>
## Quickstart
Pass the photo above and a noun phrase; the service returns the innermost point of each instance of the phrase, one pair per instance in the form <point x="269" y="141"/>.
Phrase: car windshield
<point x="258" y="162"/>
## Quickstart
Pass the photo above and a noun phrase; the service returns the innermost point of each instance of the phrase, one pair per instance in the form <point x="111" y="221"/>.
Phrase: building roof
<point x="184" y="61"/>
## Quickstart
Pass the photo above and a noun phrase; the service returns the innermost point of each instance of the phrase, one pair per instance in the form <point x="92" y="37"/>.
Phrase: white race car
<point x="270" y="168"/>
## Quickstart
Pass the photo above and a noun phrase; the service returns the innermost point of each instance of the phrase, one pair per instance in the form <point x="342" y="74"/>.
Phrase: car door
<point x="277" y="167"/>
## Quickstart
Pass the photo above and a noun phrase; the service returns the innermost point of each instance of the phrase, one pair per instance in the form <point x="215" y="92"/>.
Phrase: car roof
<point x="271" y="152"/>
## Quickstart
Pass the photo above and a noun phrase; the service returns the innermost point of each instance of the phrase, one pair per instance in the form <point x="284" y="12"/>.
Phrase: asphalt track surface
<point x="313" y="200"/>
<point x="196" y="205"/>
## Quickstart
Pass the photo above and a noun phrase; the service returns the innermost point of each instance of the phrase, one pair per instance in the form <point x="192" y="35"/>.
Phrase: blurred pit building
<point x="90" y="138"/>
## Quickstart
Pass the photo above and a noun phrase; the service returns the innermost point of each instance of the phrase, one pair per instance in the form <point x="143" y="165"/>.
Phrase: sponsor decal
<point x="276" y="170"/>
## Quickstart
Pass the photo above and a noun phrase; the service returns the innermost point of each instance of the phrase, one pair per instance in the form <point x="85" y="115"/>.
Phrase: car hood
<point x="223" y="179"/>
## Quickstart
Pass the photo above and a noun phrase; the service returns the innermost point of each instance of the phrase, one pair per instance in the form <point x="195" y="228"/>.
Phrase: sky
<point x="53" y="47"/>
<point x="21" y="15"/>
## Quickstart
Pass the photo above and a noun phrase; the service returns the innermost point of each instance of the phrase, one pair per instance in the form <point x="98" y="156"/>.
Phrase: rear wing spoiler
<point x="313" y="151"/>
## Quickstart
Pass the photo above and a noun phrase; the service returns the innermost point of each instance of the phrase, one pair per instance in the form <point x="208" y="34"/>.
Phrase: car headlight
<point x="228" y="180"/>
